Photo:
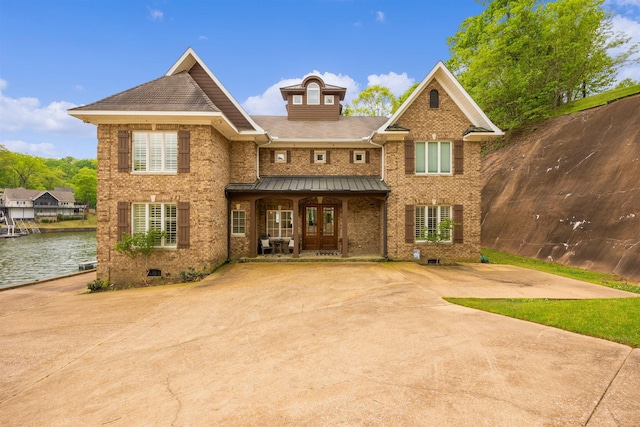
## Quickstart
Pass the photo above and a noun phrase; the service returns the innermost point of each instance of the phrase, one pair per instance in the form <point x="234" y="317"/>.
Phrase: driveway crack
<point x="606" y="390"/>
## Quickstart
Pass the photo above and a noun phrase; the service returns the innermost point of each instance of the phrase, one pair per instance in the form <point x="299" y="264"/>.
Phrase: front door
<point x="319" y="228"/>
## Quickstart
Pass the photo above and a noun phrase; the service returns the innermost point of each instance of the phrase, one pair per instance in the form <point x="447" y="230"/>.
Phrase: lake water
<point x="42" y="256"/>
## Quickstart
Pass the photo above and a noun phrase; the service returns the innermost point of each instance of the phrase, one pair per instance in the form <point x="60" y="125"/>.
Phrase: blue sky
<point x="56" y="55"/>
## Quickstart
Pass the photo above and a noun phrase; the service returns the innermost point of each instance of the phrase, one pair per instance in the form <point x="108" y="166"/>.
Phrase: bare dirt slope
<point x="569" y="191"/>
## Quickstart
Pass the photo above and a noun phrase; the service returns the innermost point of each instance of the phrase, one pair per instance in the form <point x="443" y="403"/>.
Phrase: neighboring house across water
<point x="20" y="203"/>
<point x="181" y="155"/>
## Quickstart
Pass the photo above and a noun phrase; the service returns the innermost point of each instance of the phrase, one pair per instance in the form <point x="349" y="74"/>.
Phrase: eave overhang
<point x="216" y="119"/>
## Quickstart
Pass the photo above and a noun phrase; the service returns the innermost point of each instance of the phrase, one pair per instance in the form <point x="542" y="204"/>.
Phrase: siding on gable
<point x="218" y="97"/>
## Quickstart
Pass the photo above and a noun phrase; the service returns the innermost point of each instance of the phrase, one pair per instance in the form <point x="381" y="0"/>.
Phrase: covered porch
<point x="302" y="216"/>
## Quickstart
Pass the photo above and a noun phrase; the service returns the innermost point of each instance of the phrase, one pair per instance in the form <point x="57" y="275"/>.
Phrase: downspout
<point x="258" y="153"/>
<point x="228" y="227"/>
<point x="385" y="253"/>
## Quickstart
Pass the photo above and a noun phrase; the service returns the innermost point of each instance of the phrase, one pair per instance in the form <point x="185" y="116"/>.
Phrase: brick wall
<point x="243" y="161"/>
<point x="202" y="187"/>
<point x="447" y="123"/>
<point x="339" y="163"/>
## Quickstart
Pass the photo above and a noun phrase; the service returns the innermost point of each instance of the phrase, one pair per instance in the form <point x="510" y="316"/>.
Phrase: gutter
<point x="370" y="138"/>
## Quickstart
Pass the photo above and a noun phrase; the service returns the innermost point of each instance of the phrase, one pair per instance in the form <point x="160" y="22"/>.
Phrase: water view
<point x="41" y="256"/>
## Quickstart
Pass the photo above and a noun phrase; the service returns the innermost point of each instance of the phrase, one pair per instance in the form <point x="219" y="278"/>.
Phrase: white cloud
<point x="270" y="102"/>
<point x="635" y="3"/>
<point x="26" y="114"/>
<point x="43" y="149"/>
<point x="631" y="28"/>
<point x="203" y="38"/>
<point x="156" y="15"/>
<point x="397" y="83"/>
<point x="380" y="16"/>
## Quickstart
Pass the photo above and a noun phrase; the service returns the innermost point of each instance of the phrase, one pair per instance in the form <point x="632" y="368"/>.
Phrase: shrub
<point x="97" y="285"/>
<point x="192" y="275"/>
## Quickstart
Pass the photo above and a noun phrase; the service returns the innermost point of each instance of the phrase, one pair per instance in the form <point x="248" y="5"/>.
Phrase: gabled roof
<point x="26" y="194"/>
<point x="351" y="129"/>
<point x="178" y="92"/>
<point x="188" y="93"/>
<point x="477" y="118"/>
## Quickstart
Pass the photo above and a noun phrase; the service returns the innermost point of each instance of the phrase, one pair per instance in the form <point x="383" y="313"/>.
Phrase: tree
<point x="373" y="101"/>
<point x="400" y="100"/>
<point x="520" y="59"/>
<point x="27" y="169"/>
<point x="85" y="185"/>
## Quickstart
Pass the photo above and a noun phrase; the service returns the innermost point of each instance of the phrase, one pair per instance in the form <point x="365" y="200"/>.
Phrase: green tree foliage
<point x="37" y="173"/>
<point x="85" y="185"/>
<point x="520" y="59"/>
<point x="373" y="101"/>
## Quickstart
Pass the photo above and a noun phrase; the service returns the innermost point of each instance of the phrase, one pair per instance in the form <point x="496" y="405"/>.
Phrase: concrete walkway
<point x="308" y="344"/>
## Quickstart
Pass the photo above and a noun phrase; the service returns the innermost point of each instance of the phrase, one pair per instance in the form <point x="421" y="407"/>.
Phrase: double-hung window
<point x="155" y="151"/>
<point x="279" y="223"/>
<point x="156" y="216"/>
<point x="433" y="157"/>
<point x="428" y="220"/>
<point x="238" y="223"/>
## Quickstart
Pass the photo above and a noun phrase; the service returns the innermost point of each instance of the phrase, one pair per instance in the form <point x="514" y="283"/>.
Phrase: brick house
<point x="180" y="154"/>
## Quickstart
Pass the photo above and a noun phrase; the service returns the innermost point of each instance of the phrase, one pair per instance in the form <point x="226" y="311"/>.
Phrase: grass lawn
<point x="600" y="99"/>
<point x="90" y="222"/>
<point x="604" y="279"/>
<point x="615" y="320"/>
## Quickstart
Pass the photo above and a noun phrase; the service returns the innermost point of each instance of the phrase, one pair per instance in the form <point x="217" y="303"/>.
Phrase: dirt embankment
<point x="569" y="191"/>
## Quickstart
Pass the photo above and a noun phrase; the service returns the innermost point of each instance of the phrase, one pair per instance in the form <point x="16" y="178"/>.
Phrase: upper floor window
<point x="328" y="99"/>
<point x="155" y="151"/>
<point x="434" y="99"/>
<point x="313" y="94"/>
<point x="297" y="99"/>
<point x="156" y="216"/>
<point x="433" y="157"/>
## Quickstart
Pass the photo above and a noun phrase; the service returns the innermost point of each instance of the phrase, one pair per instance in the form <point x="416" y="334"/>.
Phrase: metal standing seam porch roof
<point x="311" y="184"/>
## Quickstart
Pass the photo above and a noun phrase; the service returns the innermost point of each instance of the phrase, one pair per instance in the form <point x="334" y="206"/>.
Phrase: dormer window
<point x="328" y="100"/>
<point x="297" y="99"/>
<point x="313" y="94"/>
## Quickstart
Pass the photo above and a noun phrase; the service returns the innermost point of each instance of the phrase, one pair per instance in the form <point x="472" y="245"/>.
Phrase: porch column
<point x="253" y="229"/>
<point x="296" y="236"/>
<point x="345" y="228"/>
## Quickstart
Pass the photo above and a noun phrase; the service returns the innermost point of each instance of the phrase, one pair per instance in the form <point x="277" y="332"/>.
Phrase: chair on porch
<point x="265" y="245"/>
<point x="291" y="246"/>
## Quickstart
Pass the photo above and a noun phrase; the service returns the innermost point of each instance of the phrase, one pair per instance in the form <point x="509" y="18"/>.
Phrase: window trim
<point x="329" y="100"/>
<point x="425" y="221"/>
<point x="242" y="222"/>
<point x="434" y="99"/>
<point x="296" y="100"/>
<point x="315" y="89"/>
<point x="165" y="153"/>
<point x="164" y="221"/>
<point x="439" y="156"/>
<point x="361" y="153"/>
<point x="322" y="153"/>
<point x="278" y="213"/>
<point x="280" y="156"/>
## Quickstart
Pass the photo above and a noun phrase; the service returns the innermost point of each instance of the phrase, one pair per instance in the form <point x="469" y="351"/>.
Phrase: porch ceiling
<point x="312" y="184"/>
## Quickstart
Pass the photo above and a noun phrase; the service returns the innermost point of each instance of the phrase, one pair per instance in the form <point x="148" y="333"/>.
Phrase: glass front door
<point x="319" y="231"/>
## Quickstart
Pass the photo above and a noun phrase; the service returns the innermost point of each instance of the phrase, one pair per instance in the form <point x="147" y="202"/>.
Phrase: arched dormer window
<point x="313" y="94"/>
<point x="434" y="99"/>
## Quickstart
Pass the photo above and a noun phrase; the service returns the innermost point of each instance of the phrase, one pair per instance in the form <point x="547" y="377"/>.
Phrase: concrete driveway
<point x="308" y="344"/>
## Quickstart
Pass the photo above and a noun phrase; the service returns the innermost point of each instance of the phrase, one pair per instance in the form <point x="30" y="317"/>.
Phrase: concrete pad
<point x="300" y="344"/>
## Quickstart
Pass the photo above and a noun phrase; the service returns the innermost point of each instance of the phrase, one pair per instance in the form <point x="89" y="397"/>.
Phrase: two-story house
<point x="180" y="154"/>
